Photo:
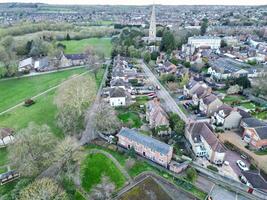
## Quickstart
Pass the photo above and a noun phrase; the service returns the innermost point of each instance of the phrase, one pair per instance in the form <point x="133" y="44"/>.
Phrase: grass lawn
<point x="130" y="118"/>
<point x="248" y="105"/>
<point x="231" y="98"/>
<point x="3" y="156"/>
<point x="261" y="115"/>
<point x="97" y="165"/>
<point x="14" y="91"/>
<point x="78" y="46"/>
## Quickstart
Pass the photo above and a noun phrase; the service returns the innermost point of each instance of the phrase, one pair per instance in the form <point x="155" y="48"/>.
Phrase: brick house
<point x="210" y="104"/>
<point x="146" y="146"/>
<point x="254" y="132"/>
<point x="157" y="117"/>
<point x="204" y="142"/>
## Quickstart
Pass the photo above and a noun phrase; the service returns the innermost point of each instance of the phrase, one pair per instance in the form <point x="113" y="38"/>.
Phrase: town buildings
<point x="146" y="146"/>
<point x="205" y="41"/>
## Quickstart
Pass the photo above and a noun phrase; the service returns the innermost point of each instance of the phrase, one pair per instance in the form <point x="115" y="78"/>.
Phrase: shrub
<point x="213" y="168"/>
<point x="191" y="174"/>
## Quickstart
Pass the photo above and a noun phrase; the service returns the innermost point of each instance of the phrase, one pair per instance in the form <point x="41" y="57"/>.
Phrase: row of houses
<point x="220" y="114"/>
<point x="47" y="64"/>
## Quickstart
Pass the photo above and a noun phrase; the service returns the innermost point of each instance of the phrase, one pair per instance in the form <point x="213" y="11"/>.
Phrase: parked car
<point x="242" y="165"/>
<point x="182" y="97"/>
<point x="226" y="163"/>
<point x="243" y="179"/>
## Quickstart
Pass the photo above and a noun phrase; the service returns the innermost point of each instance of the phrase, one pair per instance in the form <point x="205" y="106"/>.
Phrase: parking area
<point x="219" y="193"/>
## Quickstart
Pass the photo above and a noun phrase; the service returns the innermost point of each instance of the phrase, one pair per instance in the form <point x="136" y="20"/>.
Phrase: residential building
<point x="157" y="117"/>
<point x="204" y="142"/>
<point x="205" y="41"/>
<point x="227" y="117"/>
<point x="146" y="146"/>
<point x="210" y="104"/>
<point x="6" y="136"/>
<point x="117" y="96"/>
<point x="41" y="64"/>
<point x="254" y="132"/>
<point x="69" y="60"/>
<point x="25" y="65"/>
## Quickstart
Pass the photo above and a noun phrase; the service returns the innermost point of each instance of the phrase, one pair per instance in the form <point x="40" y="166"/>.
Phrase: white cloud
<point x="145" y="2"/>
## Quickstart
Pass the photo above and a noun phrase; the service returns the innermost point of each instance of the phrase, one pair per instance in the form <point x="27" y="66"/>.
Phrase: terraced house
<point x="146" y="146"/>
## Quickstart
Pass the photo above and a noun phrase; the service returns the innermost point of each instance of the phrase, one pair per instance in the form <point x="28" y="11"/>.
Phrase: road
<point x="164" y="94"/>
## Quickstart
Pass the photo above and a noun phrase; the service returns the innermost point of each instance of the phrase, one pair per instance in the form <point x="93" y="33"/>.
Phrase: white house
<point x="25" y="65"/>
<point x="205" y="41"/>
<point x="6" y="136"/>
<point x="204" y="142"/>
<point x="117" y="96"/>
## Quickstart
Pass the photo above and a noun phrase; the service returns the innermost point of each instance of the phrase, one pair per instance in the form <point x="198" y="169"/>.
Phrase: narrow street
<point x="164" y="94"/>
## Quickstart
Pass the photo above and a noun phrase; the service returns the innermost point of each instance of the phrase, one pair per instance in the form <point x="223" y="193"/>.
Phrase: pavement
<point x="164" y="94"/>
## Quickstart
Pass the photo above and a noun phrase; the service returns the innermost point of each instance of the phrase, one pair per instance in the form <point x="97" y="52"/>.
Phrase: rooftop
<point x="145" y="140"/>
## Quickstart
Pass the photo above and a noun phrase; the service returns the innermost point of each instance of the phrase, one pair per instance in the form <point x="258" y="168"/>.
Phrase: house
<point x="146" y="146"/>
<point x="223" y="68"/>
<point x="227" y="117"/>
<point x="204" y="142"/>
<point x="210" y="104"/>
<point x="41" y="64"/>
<point x="157" y="117"/>
<point x="6" y="136"/>
<point x="200" y="92"/>
<point x="254" y="132"/>
<point x="117" y="96"/>
<point x="119" y="83"/>
<point x="25" y="65"/>
<point x="205" y="41"/>
<point x="167" y="68"/>
<point x="193" y="85"/>
<point x="69" y="60"/>
<point x="256" y="179"/>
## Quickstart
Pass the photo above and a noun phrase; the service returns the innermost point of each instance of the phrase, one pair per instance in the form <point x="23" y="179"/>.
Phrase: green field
<point x="132" y="119"/>
<point x="102" y="45"/>
<point x="14" y="91"/>
<point x="97" y="165"/>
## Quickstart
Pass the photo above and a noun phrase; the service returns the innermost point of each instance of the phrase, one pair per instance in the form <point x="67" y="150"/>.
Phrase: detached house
<point x="210" y="104"/>
<point x="146" y="146"/>
<point x="69" y="60"/>
<point x="227" y="117"/>
<point x="204" y="142"/>
<point x="117" y="96"/>
<point x="25" y="65"/>
<point x="196" y="89"/>
<point x="157" y="117"/>
<point x="254" y="132"/>
<point x="6" y="136"/>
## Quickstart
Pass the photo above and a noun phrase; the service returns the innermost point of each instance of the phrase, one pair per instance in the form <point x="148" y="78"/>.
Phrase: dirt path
<point x="42" y="93"/>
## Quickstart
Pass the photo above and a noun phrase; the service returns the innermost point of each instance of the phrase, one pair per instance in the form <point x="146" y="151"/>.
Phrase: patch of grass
<point x="14" y="91"/>
<point x="261" y="152"/>
<point x="130" y="118"/>
<point x="139" y="167"/>
<point x="97" y="165"/>
<point x="142" y="100"/>
<point x="42" y="112"/>
<point x="79" y="196"/>
<point x="3" y="156"/>
<point x="233" y="98"/>
<point x="102" y="45"/>
<point x="261" y="115"/>
<point x="248" y="105"/>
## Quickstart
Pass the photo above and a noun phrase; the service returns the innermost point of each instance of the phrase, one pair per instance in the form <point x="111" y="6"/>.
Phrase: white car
<point x="242" y="165"/>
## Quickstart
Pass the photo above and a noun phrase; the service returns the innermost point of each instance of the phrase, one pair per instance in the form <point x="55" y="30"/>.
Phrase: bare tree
<point x="105" y="120"/>
<point x="94" y="60"/>
<point x="72" y="99"/>
<point x="44" y="188"/>
<point x="31" y="151"/>
<point x="103" y="190"/>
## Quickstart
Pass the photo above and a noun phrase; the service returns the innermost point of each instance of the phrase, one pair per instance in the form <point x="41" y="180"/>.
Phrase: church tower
<point x="152" y="27"/>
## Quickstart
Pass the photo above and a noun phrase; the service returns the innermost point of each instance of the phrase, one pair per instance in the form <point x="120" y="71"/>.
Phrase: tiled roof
<point x="255" y="179"/>
<point x="226" y="109"/>
<point x="117" y="92"/>
<point x="209" y="99"/>
<point x="253" y="122"/>
<point x="203" y="129"/>
<point x="4" y="132"/>
<point x="75" y="56"/>
<point x="147" y="141"/>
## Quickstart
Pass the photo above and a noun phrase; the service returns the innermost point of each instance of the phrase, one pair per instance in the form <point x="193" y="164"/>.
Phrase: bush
<point x="191" y="174"/>
<point x="213" y="168"/>
<point x="29" y="102"/>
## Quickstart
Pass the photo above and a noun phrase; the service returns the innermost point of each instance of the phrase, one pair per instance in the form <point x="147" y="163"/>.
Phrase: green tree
<point x="31" y="151"/>
<point x="176" y="124"/>
<point x="147" y="57"/>
<point x="168" y="43"/>
<point x="223" y="44"/>
<point x="154" y="55"/>
<point x="68" y="37"/>
<point x="204" y="26"/>
<point x="191" y="174"/>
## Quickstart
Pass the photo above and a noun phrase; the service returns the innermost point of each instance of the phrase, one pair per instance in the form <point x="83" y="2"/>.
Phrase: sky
<point x="146" y="2"/>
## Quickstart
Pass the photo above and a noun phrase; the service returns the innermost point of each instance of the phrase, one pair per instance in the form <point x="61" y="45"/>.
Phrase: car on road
<point x="244" y="180"/>
<point x="242" y="165"/>
<point x="244" y="156"/>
